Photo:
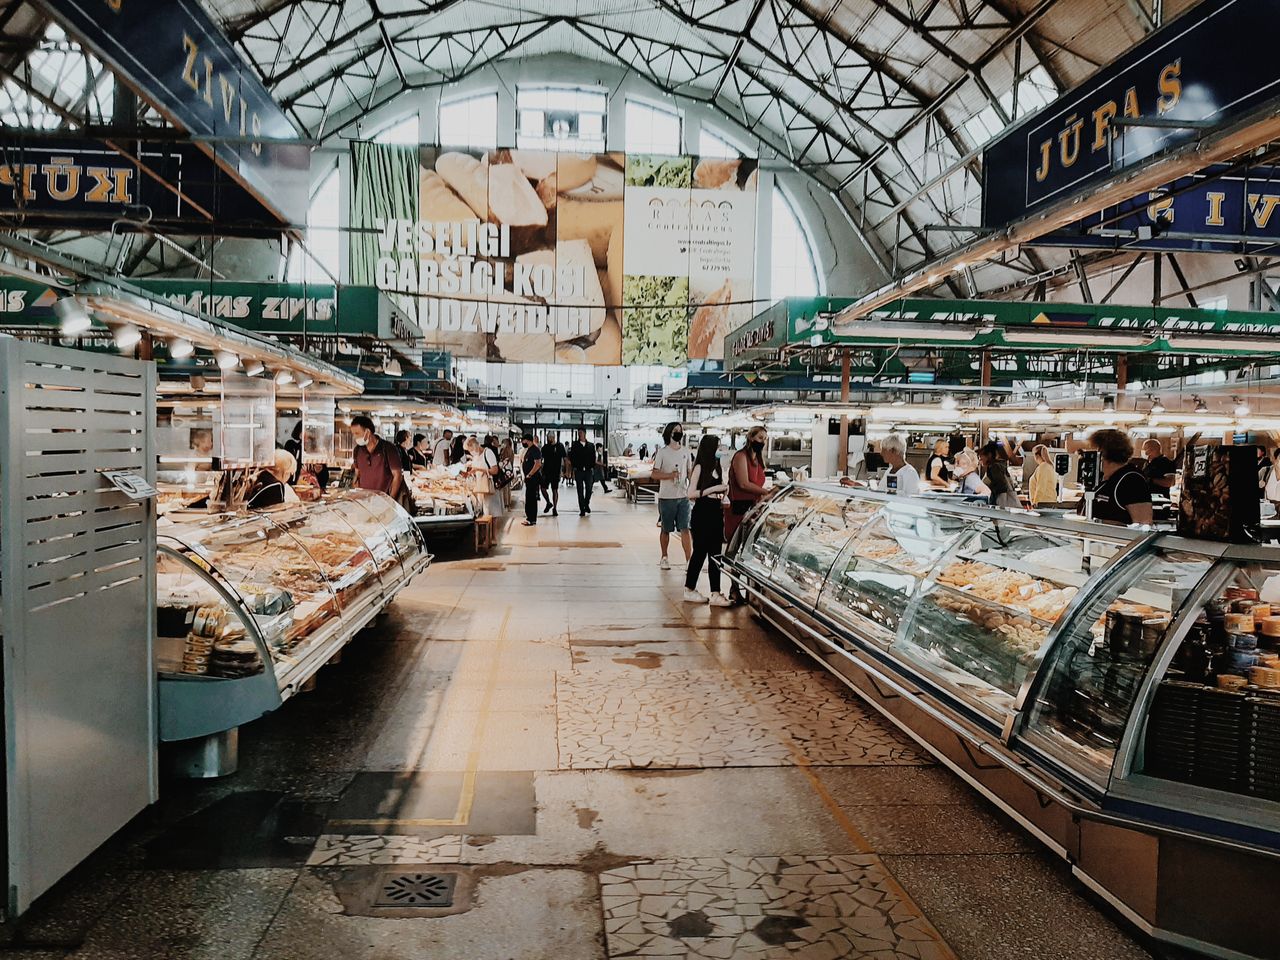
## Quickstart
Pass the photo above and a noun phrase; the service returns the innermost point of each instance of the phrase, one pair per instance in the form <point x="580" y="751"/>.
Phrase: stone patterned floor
<point x="816" y="908"/>
<point x="702" y="718"/>
<point x="334" y="850"/>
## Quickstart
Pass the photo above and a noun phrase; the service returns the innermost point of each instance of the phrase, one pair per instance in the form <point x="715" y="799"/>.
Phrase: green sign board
<point x="1159" y="323"/>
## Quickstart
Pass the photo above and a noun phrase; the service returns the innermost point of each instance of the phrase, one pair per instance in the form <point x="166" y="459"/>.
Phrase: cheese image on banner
<point x="656" y="260"/>
<point x="477" y="253"/>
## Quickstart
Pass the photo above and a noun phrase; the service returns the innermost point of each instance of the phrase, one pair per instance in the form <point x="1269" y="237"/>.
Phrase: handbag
<point x="503" y="478"/>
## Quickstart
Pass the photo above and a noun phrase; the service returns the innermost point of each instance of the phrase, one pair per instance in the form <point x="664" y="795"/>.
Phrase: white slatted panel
<point x="78" y="606"/>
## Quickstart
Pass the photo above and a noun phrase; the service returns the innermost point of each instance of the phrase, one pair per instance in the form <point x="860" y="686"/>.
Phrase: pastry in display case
<point x="1115" y="690"/>
<point x="267" y="597"/>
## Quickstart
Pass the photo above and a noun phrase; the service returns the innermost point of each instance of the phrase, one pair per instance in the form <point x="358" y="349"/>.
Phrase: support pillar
<point x="842" y="454"/>
<point x="985" y="368"/>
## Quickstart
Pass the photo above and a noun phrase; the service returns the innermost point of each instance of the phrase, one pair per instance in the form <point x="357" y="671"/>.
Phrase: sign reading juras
<point x="1213" y="64"/>
<point x="179" y="60"/>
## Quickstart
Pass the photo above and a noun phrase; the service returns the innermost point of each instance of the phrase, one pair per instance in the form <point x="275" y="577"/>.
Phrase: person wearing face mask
<point x="671" y="466"/>
<point x="376" y="462"/>
<point x="746" y="487"/>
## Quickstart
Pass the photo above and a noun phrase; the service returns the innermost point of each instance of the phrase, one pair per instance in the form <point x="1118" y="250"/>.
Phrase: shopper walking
<point x="582" y="458"/>
<point x="1043" y="487"/>
<point x="440" y="452"/>
<point x="671" y="466"/>
<point x="600" y="471"/>
<point x="507" y="460"/>
<point x="532" y="468"/>
<point x="706" y="492"/>
<point x="553" y="454"/>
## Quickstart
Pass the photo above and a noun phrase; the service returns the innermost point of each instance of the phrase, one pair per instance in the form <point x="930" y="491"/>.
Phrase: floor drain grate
<point x="416" y="890"/>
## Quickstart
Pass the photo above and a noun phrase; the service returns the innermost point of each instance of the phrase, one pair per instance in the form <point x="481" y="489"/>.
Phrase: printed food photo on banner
<point x="722" y="251"/>
<point x="655" y="328"/>
<point x="501" y="255"/>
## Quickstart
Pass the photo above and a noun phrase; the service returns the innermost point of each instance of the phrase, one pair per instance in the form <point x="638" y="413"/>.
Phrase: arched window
<point x="402" y="131"/>
<point x="469" y="122"/>
<point x="321" y="236"/>
<point x="792" y="272"/>
<point x="710" y="145"/>
<point x="651" y="129"/>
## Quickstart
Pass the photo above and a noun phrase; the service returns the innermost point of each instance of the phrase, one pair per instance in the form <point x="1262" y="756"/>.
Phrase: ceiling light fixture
<point x="1242" y="407"/>
<point x="283" y="378"/>
<point x="1042" y="405"/>
<point x="1070" y="338"/>
<point x="127" y="336"/>
<point x="898" y="401"/>
<point x="392" y="367"/>
<point x="948" y="402"/>
<point x="1108" y="405"/>
<point x="1201" y="406"/>
<point x="226" y="360"/>
<point x="180" y="348"/>
<point x="1156" y="406"/>
<point x="303" y="381"/>
<point x="253" y="368"/>
<point x="72" y="317"/>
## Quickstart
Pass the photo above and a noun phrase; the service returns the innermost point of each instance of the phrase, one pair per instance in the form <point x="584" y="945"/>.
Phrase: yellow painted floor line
<point x="467" y="792"/>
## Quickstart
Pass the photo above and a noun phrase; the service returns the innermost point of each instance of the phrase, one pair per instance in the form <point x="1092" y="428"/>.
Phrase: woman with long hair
<point x="706" y="491"/>
<point x="746" y="487"/>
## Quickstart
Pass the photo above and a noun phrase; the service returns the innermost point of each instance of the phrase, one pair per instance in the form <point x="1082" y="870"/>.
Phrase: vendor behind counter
<point x="1123" y="495"/>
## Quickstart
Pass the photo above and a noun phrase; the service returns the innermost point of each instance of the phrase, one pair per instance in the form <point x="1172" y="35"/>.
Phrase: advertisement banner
<point x="506" y="255"/>
<point x="1209" y="212"/>
<point x="48" y="178"/>
<point x="173" y="54"/>
<point x="1212" y="65"/>
<point x="689" y="256"/>
<point x="536" y="256"/>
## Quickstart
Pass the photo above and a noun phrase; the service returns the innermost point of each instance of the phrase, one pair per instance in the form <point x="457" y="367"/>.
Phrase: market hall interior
<point x="593" y="769"/>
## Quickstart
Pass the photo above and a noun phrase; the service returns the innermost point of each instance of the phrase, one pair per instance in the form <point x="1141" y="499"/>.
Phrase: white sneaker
<point x="664" y="564"/>
<point x="693" y="596"/>
<point x="720" y="600"/>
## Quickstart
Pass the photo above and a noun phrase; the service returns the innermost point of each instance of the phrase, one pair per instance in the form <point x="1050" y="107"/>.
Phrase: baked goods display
<point x="293" y="570"/>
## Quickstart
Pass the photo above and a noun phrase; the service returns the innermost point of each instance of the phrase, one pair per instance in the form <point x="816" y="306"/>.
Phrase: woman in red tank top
<point x="746" y="480"/>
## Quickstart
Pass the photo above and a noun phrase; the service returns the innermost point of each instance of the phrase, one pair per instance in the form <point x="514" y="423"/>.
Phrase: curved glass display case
<point x="1116" y="690"/>
<point x="251" y="605"/>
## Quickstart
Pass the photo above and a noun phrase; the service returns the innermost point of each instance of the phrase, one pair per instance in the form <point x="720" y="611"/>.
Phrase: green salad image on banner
<point x="657" y="330"/>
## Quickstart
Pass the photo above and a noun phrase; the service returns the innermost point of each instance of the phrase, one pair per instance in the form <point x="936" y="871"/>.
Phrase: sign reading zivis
<point x="1212" y="65"/>
<point x="179" y="60"/>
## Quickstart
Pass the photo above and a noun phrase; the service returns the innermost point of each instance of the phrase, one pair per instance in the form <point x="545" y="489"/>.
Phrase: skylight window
<point x="60" y="69"/>
<point x="1035" y="89"/>
<point x="709" y="145"/>
<point x="792" y="271"/>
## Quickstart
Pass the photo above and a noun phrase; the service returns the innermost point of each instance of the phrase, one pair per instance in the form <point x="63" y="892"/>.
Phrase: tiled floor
<point x="608" y="772"/>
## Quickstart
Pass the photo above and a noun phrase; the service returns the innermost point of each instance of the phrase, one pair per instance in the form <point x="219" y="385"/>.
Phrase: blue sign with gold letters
<point x="1218" y="210"/>
<point x="178" y="59"/>
<point x="1211" y="65"/>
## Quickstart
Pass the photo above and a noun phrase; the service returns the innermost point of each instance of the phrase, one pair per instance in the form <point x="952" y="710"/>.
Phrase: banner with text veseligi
<point x="505" y="255"/>
<point x="523" y="255"/>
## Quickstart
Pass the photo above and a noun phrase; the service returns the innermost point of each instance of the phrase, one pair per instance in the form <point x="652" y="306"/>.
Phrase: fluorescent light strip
<point x="1191" y="342"/>
<point x="1068" y="338"/>
<point x="903" y="331"/>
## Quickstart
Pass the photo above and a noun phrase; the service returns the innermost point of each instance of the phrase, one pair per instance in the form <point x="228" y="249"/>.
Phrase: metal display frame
<point x="79" y="607"/>
<point x="1150" y="847"/>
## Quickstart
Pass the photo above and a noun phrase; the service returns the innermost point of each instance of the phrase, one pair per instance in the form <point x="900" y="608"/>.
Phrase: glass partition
<point x="198" y="633"/>
<point x="877" y="573"/>
<point x="986" y="611"/>
<point x="1214" y="720"/>
<point x="763" y="542"/>
<point x="810" y="551"/>
<point x="1086" y="687"/>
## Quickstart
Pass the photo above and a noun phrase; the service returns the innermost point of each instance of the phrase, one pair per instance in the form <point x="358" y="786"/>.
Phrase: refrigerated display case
<point x="251" y="605"/>
<point x="442" y="501"/>
<point x="1115" y="690"/>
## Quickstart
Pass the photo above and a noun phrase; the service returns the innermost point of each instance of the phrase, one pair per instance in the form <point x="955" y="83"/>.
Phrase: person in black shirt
<point x="1159" y="470"/>
<point x="936" y="469"/>
<point x="1123" y="496"/>
<point x="553" y="454"/>
<point x="404" y="440"/>
<point x="532" y="466"/>
<point x="1001" y="492"/>
<point x="294" y="446"/>
<point x="418" y="452"/>
<point x="582" y="455"/>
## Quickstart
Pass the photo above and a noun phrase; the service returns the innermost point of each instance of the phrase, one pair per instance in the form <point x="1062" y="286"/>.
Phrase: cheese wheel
<point x="1240" y="623"/>
<point x="1264" y="676"/>
<point x="1231" y="681"/>
<point x="1270" y="626"/>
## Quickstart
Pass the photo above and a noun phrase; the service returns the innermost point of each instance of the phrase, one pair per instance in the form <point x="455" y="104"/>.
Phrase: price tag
<point x="132" y="485"/>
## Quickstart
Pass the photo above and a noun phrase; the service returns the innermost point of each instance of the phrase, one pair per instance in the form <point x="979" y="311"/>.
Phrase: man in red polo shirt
<point x="376" y="462"/>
